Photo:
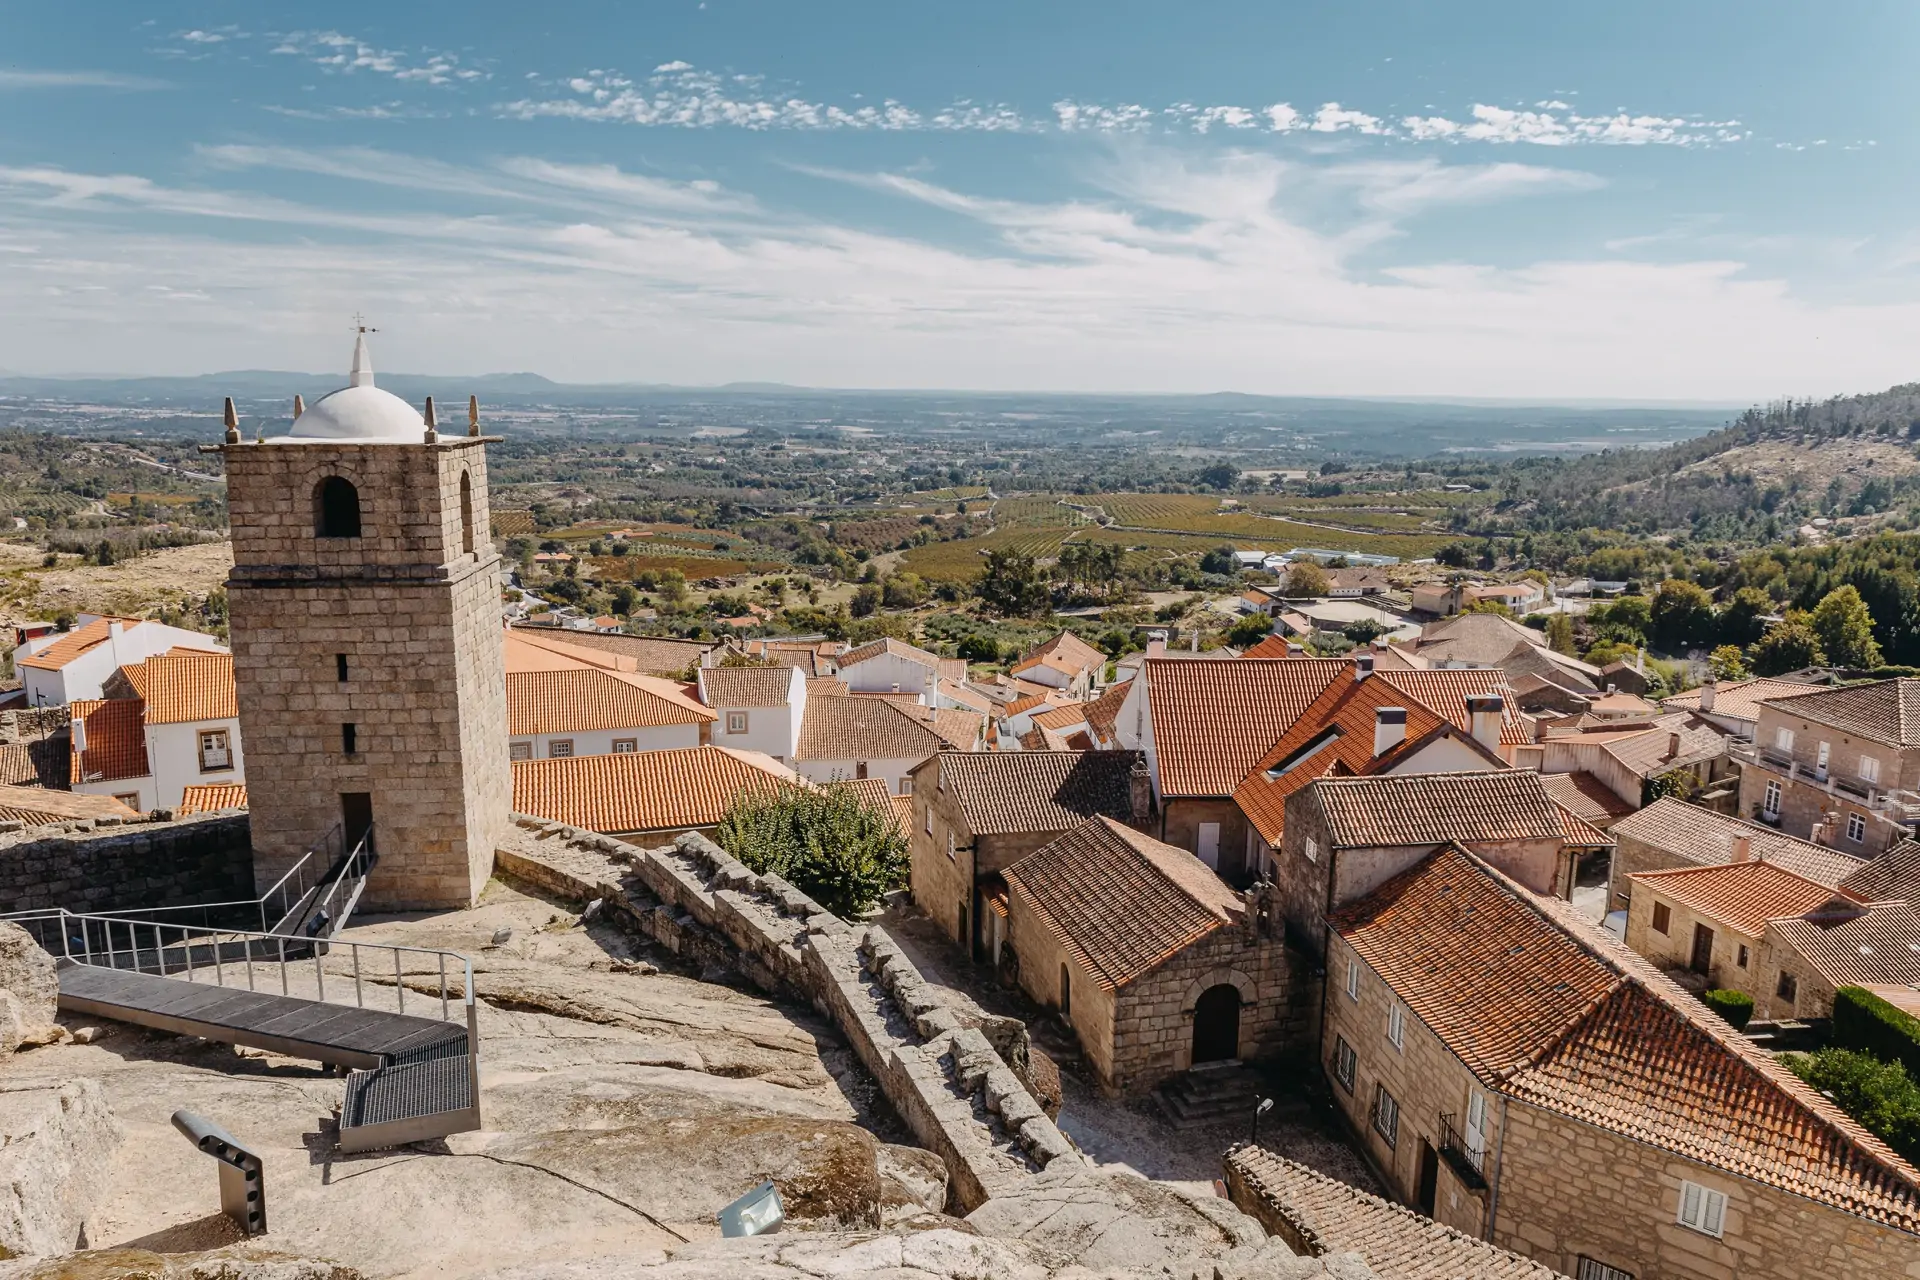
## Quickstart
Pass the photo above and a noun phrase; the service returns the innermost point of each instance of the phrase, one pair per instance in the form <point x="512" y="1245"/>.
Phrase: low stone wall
<point x="107" y="865"/>
<point x="952" y="1075"/>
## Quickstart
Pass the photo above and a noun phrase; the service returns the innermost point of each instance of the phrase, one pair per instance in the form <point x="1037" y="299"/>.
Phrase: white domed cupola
<point x="358" y="411"/>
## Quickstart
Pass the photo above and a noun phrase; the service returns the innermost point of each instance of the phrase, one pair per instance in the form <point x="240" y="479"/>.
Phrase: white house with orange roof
<point x="58" y="667"/>
<point x="568" y="700"/>
<point x="894" y="666"/>
<point x="168" y="724"/>
<point x="759" y="708"/>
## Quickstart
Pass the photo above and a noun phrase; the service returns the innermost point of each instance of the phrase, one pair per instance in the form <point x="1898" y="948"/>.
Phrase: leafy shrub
<point x="1880" y="1095"/>
<point x="825" y="841"/>
<point x="1735" y="1006"/>
<point x="1863" y="1021"/>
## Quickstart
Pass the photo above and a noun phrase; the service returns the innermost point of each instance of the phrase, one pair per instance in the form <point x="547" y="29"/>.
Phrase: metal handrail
<point x="197" y="951"/>
<point x="315" y="916"/>
<point x="277" y="892"/>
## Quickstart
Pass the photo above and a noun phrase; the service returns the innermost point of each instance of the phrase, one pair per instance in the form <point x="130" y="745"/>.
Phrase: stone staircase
<point x="1212" y="1094"/>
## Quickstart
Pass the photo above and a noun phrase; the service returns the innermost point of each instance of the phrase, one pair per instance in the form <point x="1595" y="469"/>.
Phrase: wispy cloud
<point x="338" y="54"/>
<point x="77" y="80"/>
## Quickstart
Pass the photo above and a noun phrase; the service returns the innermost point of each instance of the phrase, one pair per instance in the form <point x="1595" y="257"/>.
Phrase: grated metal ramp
<point x="408" y="1102"/>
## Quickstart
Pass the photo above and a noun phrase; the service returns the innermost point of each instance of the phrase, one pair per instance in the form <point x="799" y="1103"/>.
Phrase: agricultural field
<point x="1036" y="511"/>
<point x="958" y="493"/>
<point x="960" y="561"/>
<point x="617" y="568"/>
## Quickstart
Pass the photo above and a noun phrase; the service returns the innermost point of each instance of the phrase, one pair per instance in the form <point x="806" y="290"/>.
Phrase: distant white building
<point x="59" y="667"/>
<point x="760" y="708"/>
<point x="171" y="723"/>
<point x="894" y="666"/>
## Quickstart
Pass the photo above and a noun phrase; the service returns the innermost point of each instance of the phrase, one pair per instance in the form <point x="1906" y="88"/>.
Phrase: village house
<point x="1155" y="963"/>
<point x="1065" y="662"/>
<point x="649" y="796"/>
<point x="662" y="656"/>
<point x="211" y="797"/>
<point x="1806" y="958"/>
<point x="759" y="708"/>
<point x="1344" y="836"/>
<point x="1712" y="921"/>
<point x="1351" y="584"/>
<point x="58" y="667"/>
<point x="1586" y="798"/>
<point x="565" y="701"/>
<point x="1526" y="1080"/>
<point x="1671" y="833"/>
<point x="1837" y="766"/>
<point x="976" y="813"/>
<point x="39" y="806"/>
<point x="1626" y="756"/>
<point x="171" y="722"/>
<point x="856" y="736"/>
<point x="1489" y="640"/>
<point x="894" y="666"/>
<point x="1733" y="706"/>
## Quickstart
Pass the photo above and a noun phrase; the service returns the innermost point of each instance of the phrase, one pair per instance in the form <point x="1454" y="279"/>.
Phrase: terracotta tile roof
<point x="181" y="687"/>
<point x="746" y="686"/>
<point x="1066" y="653"/>
<point x="1333" y="736"/>
<point x="1041" y="738"/>
<point x="1214" y="719"/>
<point x="677" y="789"/>
<point x="1886" y="711"/>
<point x="855" y="728"/>
<point x="1026" y="703"/>
<point x="1558" y="1015"/>
<point x="1119" y="901"/>
<point x="899" y="649"/>
<point x="653" y="655"/>
<point x="1329" y="1217"/>
<point x="808" y="659"/>
<point x="1435" y="808"/>
<point x="1002" y="793"/>
<point x="874" y="794"/>
<point x="1701" y="836"/>
<point x="74" y="643"/>
<point x="45" y="763"/>
<point x="1103" y="713"/>
<point x="1446" y="690"/>
<point x="902" y="811"/>
<point x="523" y="650"/>
<point x="1652" y="751"/>
<point x="958" y="728"/>
<point x="1894" y="876"/>
<point x="1879" y="943"/>
<point x="1742" y="895"/>
<point x="1739" y="699"/>
<point x="954" y="669"/>
<point x="827" y="687"/>
<point x="1618" y="704"/>
<point x="211" y="797"/>
<point x="1581" y="834"/>
<point x="1062" y="718"/>
<point x="116" y="737"/>
<point x="1273" y="646"/>
<point x="37" y="805"/>
<point x="969" y="698"/>
<point x="583" y="700"/>
<point x="1585" y="796"/>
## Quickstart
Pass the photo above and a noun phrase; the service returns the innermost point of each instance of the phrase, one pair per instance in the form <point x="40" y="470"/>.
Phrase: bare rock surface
<point x="1092" y="1218"/>
<point x="57" y="1145"/>
<point x="238" y="1262"/>
<point x="27" y="973"/>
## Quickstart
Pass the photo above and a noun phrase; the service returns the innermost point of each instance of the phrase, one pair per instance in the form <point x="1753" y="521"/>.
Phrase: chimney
<point x="1140" y="792"/>
<point x="1673" y="745"/>
<point x="1706" y="695"/>
<point x="1296" y="650"/>
<point x="1486" y="712"/>
<point x="1389" y="729"/>
<point x="80" y="734"/>
<point x="1379" y="644"/>
<point x="1742" y="849"/>
<point x="1362" y="667"/>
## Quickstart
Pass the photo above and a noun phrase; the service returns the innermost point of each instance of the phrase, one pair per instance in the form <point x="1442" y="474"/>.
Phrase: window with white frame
<point x="1594" y="1269"/>
<point x="1770" y="804"/>
<point x="519" y="751"/>
<point x="1353" y="981"/>
<point x="216" y="751"/>
<point x="1703" y="1209"/>
<point x="559" y="748"/>
<point x="950" y="847"/>
<point x="736" y="722"/>
<point x="1397" y="1025"/>
<point x="1312" y="849"/>
<point x="929" y="821"/>
<point x="1856" y="828"/>
<point x="1345" y="1062"/>
<point x="1386" y="1117"/>
<point x="626" y="746"/>
<point x="1869" y="769"/>
<point x="1783" y="739"/>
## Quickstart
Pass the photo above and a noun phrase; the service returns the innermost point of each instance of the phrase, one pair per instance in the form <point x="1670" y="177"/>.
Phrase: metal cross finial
<point x="360" y="324"/>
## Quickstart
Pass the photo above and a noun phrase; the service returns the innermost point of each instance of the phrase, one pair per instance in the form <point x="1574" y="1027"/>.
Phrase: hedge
<point x="1735" y="1006"/>
<point x="1865" y="1022"/>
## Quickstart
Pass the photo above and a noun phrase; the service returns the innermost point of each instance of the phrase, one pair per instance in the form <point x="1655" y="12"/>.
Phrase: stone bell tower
<point x="364" y="604"/>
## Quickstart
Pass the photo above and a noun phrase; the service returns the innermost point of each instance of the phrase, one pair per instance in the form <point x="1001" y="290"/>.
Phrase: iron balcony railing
<point x="1467" y="1160"/>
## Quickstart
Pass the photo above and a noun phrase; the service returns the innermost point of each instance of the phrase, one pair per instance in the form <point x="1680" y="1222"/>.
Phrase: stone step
<point x="1211" y="1094"/>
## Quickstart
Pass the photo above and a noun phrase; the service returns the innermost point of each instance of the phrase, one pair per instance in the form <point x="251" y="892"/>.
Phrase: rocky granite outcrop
<point x="56" y="1144"/>
<point x="29" y="987"/>
<point x="236" y="1262"/>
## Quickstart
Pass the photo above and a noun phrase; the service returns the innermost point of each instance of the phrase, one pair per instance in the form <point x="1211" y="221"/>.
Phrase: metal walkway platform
<point x="338" y="1035"/>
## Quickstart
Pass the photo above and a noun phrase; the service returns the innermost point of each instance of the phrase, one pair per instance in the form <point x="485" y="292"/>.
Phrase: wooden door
<point x="1702" y="949"/>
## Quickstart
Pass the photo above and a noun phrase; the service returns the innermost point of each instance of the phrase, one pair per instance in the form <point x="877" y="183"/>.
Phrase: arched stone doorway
<point x="1216" y="1024"/>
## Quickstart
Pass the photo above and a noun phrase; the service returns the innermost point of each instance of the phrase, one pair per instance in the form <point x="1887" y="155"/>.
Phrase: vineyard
<point x="961" y="561"/>
<point x="617" y="568"/>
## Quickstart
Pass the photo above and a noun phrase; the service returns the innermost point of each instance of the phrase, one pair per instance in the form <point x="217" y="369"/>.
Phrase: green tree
<point x="1560" y="633"/>
<point x="1880" y="1095"/>
<point x="825" y="841"/>
<point x="1012" y="585"/>
<point x="905" y="590"/>
<point x="673" y="586"/>
<point x="1304" y="578"/>
<point x="1727" y="662"/>
<point x="1787" y="646"/>
<point x="623" y="597"/>
<point x="1845" y="629"/>
<point x="1488" y="606"/>
<point x="1363" y="631"/>
<point x="1249" y="631"/>
<point x="1681" y="616"/>
<point x="864" y="601"/>
<point x="978" y="648"/>
<point x="1221" y="560"/>
<point x="1628" y="614"/>
<point x="1745" y="617"/>
<point x="1220" y="475"/>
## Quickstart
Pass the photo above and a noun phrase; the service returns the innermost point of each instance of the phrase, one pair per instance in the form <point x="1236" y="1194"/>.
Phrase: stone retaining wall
<point x="953" y="1075"/>
<point x="107" y="865"/>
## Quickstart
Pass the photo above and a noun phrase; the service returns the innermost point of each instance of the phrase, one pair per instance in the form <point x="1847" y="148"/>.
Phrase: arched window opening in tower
<point x="336" y="508"/>
<point x="466" y="513"/>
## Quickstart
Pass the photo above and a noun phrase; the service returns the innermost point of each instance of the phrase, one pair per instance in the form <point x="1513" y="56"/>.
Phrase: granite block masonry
<point x="953" y="1075"/>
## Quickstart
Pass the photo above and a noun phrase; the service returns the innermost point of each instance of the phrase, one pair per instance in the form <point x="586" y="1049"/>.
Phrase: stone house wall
<point x="1568" y="1191"/>
<point x="1813" y="994"/>
<point x="417" y="616"/>
<point x="1180" y="825"/>
<point x="102" y="865"/>
<point x="1674" y="948"/>
<point x="1422" y="1075"/>
<point x="1630" y="857"/>
<point x="953" y="1075"/>
<point x="1805" y="803"/>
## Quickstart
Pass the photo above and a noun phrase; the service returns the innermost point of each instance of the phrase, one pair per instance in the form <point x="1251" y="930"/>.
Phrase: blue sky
<point x="1639" y="200"/>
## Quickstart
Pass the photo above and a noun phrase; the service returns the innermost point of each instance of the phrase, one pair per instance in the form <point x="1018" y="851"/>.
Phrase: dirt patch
<point x="172" y="575"/>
